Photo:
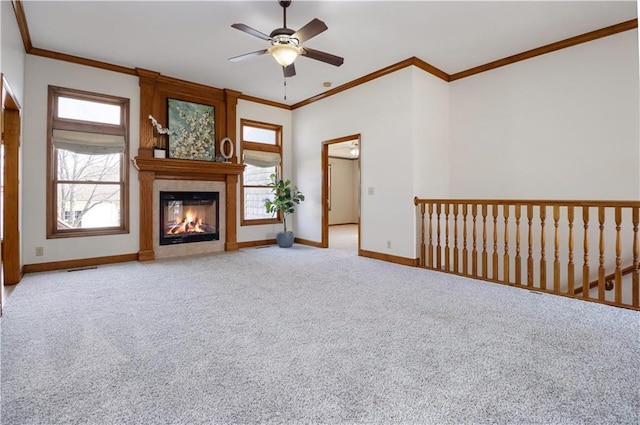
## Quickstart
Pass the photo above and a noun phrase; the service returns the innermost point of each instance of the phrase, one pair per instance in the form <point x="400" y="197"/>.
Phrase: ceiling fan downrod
<point x="284" y="4"/>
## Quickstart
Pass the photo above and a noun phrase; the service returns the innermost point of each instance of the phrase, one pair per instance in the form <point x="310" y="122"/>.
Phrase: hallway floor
<point x="343" y="236"/>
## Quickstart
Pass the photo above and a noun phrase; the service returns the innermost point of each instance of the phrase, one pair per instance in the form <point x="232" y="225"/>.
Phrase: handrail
<point x="609" y="282"/>
<point x="534" y="243"/>
<point x="550" y="202"/>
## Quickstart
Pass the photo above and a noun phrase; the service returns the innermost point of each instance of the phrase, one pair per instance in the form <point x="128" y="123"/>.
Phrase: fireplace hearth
<point x="187" y="217"/>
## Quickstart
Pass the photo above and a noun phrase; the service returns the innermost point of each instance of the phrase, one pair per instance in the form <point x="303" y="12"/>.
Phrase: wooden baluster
<point x="505" y="258"/>
<point x="430" y="262"/>
<point x="484" y="241"/>
<point x="571" y="278"/>
<point x="585" y="265"/>
<point x="601" y="274"/>
<point x="543" y="260"/>
<point x="618" y="271"/>
<point x="455" y="239"/>
<point x="494" y="257"/>
<point x="465" y="259"/>
<point x="518" y="279"/>
<point x="556" y="250"/>
<point x="438" y="247"/>
<point x="446" y="237"/>
<point x="530" y="240"/>
<point x="474" y="252"/>
<point x="635" y="274"/>
<point x="422" y="232"/>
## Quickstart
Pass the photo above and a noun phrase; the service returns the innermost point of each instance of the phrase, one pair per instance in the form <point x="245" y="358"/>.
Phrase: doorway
<point x="341" y="193"/>
<point x="9" y="182"/>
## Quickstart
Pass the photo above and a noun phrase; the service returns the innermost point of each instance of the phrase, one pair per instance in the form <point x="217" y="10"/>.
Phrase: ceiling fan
<point x="286" y="44"/>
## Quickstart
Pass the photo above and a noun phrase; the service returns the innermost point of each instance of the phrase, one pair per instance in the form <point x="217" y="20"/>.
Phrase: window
<point x="261" y="146"/>
<point x="88" y="143"/>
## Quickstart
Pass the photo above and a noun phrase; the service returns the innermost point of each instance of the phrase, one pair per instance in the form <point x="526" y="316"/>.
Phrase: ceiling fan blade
<point x="289" y="71"/>
<point x="313" y="28"/>
<point x="248" y="55"/>
<point x="249" y="30"/>
<point x="322" y="56"/>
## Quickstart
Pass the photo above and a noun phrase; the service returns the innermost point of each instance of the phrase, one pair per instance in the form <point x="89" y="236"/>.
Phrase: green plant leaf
<point x="285" y="197"/>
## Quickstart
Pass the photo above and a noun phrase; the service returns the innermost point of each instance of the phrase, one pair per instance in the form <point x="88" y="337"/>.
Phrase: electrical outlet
<point x="388" y="244"/>
<point x="39" y="251"/>
<point x="371" y="191"/>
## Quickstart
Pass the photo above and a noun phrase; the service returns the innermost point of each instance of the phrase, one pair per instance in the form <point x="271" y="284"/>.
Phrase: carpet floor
<point x="306" y="335"/>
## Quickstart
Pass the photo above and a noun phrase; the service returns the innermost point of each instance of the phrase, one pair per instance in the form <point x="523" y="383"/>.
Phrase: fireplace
<point x="189" y="217"/>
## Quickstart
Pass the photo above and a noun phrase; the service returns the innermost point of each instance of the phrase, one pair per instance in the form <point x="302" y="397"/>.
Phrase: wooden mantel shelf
<point x="184" y="167"/>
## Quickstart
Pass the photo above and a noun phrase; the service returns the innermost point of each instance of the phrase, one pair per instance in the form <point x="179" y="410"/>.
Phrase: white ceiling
<point x="344" y="149"/>
<point x="193" y="40"/>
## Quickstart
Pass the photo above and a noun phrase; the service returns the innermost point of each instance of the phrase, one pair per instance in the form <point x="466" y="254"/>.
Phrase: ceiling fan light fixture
<point x="284" y="54"/>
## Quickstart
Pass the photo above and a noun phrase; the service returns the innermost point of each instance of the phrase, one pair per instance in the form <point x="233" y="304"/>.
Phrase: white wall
<point x="272" y="115"/>
<point x="12" y="58"/>
<point x="41" y="72"/>
<point x="381" y="111"/>
<point x="559" y="126"/>
<point x="344" y="191"/>
<point x="403" y="121"/>
<point x="430" y="135"/>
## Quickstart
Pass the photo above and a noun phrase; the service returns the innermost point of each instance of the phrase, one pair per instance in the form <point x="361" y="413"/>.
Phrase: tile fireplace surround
<point x="182" y="249"/>
<point x="156" y="174"/>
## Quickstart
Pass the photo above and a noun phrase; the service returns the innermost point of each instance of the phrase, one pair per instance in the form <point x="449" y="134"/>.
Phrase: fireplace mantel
<point x="187" y="168"/>
<point x="155" y="90"/>
<point x="150" y="169"/>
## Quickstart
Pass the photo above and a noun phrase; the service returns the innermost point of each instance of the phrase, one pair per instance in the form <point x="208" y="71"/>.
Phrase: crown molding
<point x="21" y="18"/>
<point x="413" y="61"/>
<point x="264" y="101"/>
<point x="81" y="61"/>
<point x="377" y="74"/>
<point x="563" y="44"/>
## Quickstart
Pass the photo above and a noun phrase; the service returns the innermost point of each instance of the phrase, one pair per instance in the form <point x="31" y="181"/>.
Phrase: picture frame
<point x="192" y="130"/>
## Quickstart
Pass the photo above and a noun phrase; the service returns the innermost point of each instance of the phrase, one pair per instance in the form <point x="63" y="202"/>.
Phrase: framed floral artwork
<point x="192" y="130"/>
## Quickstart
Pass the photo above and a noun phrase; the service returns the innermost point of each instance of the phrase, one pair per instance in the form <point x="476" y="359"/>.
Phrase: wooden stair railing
<point x="534" y="244"/>
<point x="609" y="280"/>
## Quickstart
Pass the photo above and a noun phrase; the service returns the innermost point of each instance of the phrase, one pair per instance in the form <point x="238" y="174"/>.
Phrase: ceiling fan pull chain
<point x="285" y="88"/>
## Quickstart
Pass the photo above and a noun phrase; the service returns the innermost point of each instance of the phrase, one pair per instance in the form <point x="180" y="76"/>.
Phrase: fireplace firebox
<point x="189" y="217"/>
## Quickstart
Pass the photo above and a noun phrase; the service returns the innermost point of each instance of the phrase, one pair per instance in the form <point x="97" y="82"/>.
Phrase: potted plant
<point x="285" y="198"/>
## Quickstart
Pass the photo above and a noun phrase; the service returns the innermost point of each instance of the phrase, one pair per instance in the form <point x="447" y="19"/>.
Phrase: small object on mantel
<point x="159" y="153"/>
<point x="226" y="149"/>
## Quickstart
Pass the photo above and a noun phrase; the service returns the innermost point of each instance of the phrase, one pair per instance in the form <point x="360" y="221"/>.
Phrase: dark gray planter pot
<point x="285" y="240"/>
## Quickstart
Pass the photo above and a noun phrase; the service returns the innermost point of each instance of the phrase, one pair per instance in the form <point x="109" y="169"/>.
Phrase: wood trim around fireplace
<point x="150" y="169"/>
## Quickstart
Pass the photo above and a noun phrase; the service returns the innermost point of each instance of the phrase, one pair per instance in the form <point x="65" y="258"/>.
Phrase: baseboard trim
<point x="74" y="264"/>
<point x="253" y="244"/>
<point x="413" y="262"/>
<point x="148" y="255"/>
<point x="308" y="242"/>
<point x="231" y="246"/>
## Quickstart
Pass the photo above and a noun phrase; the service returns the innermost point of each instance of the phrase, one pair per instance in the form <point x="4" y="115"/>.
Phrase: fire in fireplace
<point x="189" y="217"/>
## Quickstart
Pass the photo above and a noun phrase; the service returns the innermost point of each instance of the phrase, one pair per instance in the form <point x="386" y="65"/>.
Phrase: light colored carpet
<point x="305" y="335"/>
